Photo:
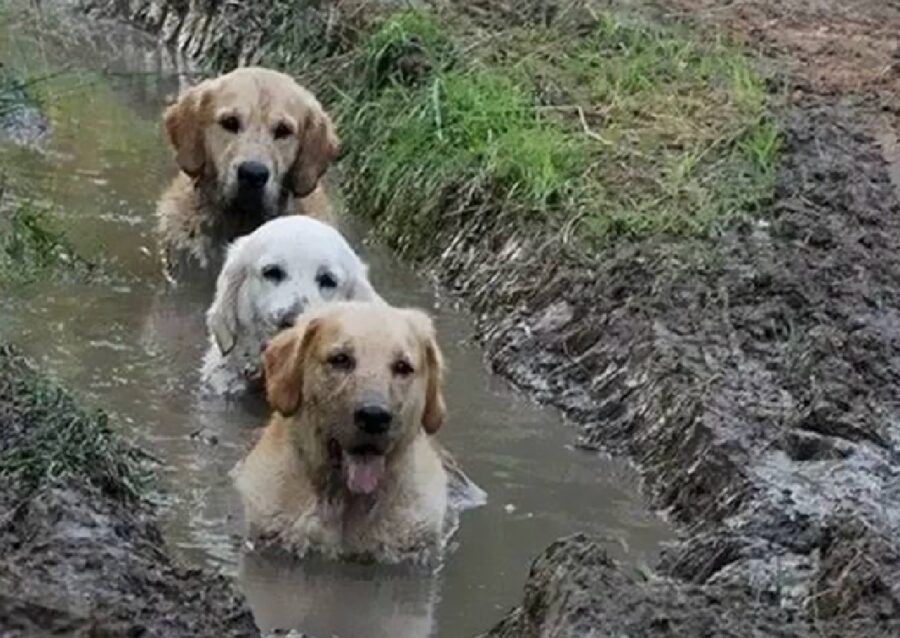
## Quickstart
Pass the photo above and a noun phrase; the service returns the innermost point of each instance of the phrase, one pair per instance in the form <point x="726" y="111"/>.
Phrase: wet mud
<point x="754" y="380"/>
<point x="575" y="589"/>
<point x="753" y="377"/>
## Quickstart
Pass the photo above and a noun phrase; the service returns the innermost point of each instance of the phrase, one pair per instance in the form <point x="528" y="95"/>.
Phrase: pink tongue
<point x="364" y="472"/>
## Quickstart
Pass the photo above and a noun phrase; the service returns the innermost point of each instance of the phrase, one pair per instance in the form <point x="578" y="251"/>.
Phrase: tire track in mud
<point x="754" y="379"/>
<point x="757" y="387"/>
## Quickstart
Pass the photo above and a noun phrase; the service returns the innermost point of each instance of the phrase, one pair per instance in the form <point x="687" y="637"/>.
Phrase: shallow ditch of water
<point x="133" y="347"/>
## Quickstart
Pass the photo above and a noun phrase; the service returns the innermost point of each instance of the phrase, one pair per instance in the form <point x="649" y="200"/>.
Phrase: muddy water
<point x="133" y="346"/>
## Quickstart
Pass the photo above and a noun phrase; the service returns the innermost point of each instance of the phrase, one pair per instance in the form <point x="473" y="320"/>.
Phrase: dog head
<point x="256" y="135"/>
<point x="367" y="378"/>
<point x="285" y="267"/>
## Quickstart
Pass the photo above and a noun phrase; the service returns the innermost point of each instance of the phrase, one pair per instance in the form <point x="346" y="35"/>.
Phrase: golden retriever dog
<point x="348" y="466"/>
<point x="251" y="145"/>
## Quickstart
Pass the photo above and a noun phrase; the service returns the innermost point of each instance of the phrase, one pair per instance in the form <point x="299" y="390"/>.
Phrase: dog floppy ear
<point x="184" y="127"/>
<point x="283" y="362"/>
<point x="435" y="409"/>
<point x="221" y="318"/>
<point x="319" y="146"/>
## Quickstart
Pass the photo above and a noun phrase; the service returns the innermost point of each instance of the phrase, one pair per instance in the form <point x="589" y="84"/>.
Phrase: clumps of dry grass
<point x="856" y="574"/>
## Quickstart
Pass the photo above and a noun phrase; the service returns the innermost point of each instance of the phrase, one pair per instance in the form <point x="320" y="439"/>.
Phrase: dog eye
<point x="402" y="368"/>
<point x="326" y="280"/>
<point x="341" y="361"/>
<point x="281" y="131"/>
<point x="273" y="273"/>
<point x="230" y="123"/>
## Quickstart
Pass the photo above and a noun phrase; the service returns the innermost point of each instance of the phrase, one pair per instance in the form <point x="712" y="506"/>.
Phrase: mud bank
<point x="752" y="376"/>
<point x="752" y="379"/>
<point x="83" y="554"/>
<point x="575" y="589"/>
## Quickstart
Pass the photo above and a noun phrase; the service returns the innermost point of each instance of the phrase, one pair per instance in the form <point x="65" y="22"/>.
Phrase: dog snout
<point x="287" y="317"/>
<point x="253" y="174"/>
<point x="373" y="418"/>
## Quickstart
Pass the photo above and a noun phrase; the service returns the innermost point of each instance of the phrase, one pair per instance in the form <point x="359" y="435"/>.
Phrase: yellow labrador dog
<point x="251" y="145"/>
<point x="347" y="467"/>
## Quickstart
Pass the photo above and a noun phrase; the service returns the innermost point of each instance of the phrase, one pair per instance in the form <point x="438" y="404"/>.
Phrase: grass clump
<point x="14" y="93"/>
<point x="475" y="127"/>
<point x="683" y="139"/>
<point x="47" y="437"/>
<point x="422" y="137"/>
<point x="625" y="130"/>
<point x="407" y="46"/>
<point x="32" y="246"/>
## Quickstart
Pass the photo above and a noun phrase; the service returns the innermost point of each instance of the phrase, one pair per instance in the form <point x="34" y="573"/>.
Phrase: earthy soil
<point x="835" y="46"/>
<point x="575" y="589"/>
<point x="82" y="556"/>
<point x="753" y="377"/>
<point x="753" y="380"/>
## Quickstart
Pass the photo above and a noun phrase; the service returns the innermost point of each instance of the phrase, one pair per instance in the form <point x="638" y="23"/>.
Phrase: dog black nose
<point x="254" y="174"/>
<point x="372" y="419"/>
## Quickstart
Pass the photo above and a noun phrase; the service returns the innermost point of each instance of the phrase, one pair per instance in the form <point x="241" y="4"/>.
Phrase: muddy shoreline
<point x="752" y="377"/>
<point x="83" y="551"/>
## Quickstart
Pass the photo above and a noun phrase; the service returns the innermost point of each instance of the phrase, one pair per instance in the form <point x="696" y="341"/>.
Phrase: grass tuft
<point x="14" y="93"/>
<point x="31" y="246"/>
<point x="404" y="48"/>
<point x="47" y="437"/>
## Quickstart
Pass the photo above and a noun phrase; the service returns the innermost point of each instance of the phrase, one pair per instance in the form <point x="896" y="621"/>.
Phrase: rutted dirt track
<point x="753" y="377"/>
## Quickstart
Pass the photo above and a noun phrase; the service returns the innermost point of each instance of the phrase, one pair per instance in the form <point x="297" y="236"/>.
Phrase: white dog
<point x="285" y="267"/>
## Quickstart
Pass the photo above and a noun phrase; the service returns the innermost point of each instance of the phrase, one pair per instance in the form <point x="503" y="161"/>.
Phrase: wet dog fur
<point x="284" y="268"/>
<point x="251" y="145"/>
<point x="348" y="466"/>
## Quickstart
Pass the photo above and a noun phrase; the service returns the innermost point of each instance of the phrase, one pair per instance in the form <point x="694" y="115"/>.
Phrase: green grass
<point x="688" y="141"/>
<point x="628" y="130"/>
<point x="406" y="47"/>
<point x="47" y="437"/>
<point x="14" y="93"/>
<point x="32" y="246"/>
<point x="459" y="128"/>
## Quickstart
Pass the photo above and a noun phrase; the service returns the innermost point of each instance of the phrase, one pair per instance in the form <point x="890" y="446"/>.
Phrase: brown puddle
<point x="134" y="347"/>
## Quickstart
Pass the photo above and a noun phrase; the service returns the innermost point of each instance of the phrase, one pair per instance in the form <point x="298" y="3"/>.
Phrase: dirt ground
<point x="754" y="378"/>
